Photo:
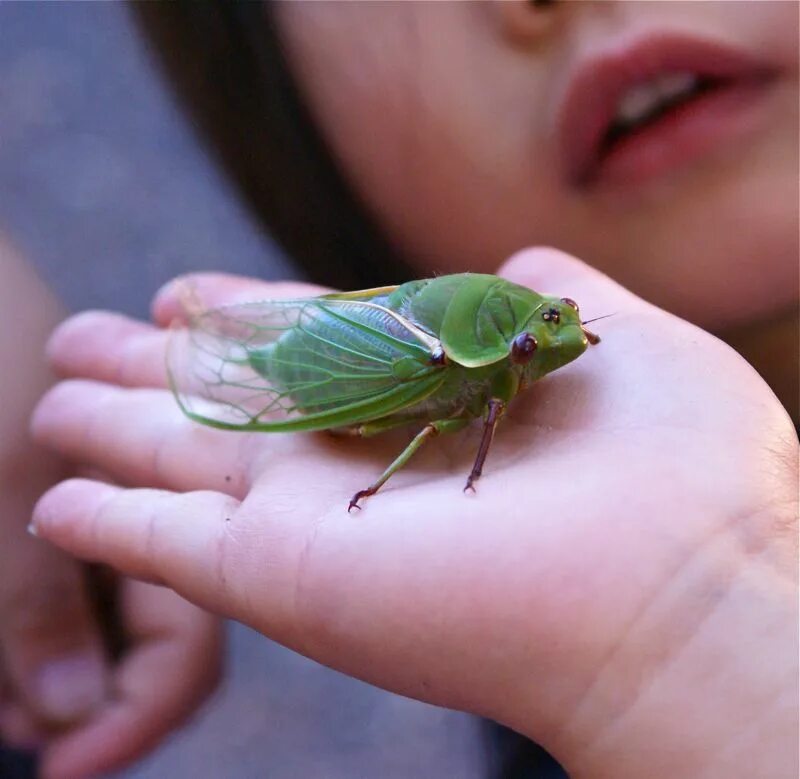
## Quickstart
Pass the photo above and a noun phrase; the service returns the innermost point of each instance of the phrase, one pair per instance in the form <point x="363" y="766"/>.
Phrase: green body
<point x="425" y="351"/>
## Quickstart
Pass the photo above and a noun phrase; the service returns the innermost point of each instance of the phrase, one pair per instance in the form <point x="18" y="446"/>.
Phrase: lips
<point x="615" y="126"/>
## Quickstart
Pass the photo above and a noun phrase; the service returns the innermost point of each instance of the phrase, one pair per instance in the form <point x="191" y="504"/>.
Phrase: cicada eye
<point x="570" y="302"/>
<point x="523" y="348"/>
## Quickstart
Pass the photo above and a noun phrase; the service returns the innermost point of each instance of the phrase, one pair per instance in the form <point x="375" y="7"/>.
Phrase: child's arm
<point x="622" y="588"/>
<point x="60" y="693"/>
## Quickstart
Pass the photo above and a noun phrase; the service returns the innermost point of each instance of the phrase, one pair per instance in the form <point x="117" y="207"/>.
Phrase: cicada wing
<point x="297" y="365"/>
<point x="213" y="363"/>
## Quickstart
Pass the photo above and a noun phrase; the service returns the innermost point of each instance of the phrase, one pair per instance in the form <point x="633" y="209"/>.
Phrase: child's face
<point x="474" y="129"/>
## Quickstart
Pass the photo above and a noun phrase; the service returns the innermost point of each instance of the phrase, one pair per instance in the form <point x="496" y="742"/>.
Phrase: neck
<point x="773" y="349"/>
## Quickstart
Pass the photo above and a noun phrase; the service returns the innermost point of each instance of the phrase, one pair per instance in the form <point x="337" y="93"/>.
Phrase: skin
<point x="462" y="97"/>
<point x="59" y="692"/>
<point x="622" y="588"/>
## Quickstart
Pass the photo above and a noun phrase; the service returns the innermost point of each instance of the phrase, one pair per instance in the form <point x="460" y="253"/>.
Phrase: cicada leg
<point x="496" y="408"/>
<point x="367" y="429"/>
<point x="430" y="430"/>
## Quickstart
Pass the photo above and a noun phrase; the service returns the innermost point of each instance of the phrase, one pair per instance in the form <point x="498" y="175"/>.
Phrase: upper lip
<point x="597" y="84"/>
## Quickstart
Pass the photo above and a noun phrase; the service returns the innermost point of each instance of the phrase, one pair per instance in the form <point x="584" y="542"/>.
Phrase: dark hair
<point x="225" y="61"/>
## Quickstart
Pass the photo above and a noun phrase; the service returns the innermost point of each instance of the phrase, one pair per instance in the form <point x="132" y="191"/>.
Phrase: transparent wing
<point x="298" y="365"/>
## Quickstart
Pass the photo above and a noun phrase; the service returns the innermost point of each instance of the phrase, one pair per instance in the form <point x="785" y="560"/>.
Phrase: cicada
<point x="437" y="352"/>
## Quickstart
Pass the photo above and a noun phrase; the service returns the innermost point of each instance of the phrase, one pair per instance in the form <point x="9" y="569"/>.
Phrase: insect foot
<point x="469" y="486"/>
<point x="357" y="497"/>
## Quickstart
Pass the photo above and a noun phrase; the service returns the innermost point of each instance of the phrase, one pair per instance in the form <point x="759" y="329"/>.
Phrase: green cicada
<point x="439" y="351"/>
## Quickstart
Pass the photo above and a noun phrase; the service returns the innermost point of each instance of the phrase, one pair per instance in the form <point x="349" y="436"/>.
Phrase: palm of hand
<point x="620" y="493"/>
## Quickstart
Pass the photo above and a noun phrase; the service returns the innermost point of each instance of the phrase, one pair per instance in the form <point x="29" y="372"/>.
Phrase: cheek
<point x="436" y="123"/>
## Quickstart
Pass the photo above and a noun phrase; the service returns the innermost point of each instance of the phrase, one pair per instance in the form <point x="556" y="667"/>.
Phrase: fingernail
<point x="66" y="503"/>
<point x="70" y="687"/>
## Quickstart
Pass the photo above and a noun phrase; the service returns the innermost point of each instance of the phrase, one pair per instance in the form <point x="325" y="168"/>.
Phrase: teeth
<point x="642" y="100"/>
<point x="638" y="102"/>
<point x="672" y="85"/>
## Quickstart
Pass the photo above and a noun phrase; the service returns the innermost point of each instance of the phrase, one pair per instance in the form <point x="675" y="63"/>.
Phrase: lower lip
<point x="721" y="116"/>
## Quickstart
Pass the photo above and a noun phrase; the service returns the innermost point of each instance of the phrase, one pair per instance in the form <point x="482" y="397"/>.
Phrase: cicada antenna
<point x="591" y="337"/>
<point x="598" y="318"/>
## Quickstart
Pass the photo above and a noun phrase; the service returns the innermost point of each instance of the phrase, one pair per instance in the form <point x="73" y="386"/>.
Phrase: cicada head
<point x="553" y="337"/>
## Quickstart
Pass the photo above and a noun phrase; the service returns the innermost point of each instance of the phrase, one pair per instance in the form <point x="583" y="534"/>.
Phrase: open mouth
<point x="635" y="113"/>
<point x="644" y="104"/>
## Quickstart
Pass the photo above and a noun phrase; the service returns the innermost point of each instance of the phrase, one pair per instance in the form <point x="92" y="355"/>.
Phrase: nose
<point x="526" y="22"/>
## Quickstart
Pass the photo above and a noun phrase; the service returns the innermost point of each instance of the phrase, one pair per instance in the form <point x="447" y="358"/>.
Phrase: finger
<point x="154" y="535"/>
<point x="109" y="347"/>
<point x="210" y="548"/>
<point x="139" y="436"/>
<point x="172" y="666"/>
<point x="216" y="289"/>
<point x="557" y="273"/>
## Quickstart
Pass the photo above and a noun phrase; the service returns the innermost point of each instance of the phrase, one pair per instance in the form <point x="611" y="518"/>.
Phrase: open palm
<point x="629" y="503"/>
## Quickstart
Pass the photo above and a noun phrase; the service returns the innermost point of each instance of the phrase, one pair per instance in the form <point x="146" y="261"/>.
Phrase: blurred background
<point x="99" y="169"/>
<point x="107" y="190"/>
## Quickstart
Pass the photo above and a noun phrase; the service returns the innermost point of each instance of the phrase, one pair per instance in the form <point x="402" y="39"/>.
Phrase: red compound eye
<point x="570" y="302"/>
<point x="523" y="348"/>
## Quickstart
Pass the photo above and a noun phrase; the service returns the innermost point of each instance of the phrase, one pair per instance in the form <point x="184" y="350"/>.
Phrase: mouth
<point x="634" y="113"/>
<point x="592" y="338"/>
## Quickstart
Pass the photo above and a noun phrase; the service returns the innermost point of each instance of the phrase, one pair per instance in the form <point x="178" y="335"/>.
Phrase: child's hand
<point x="621" y="587"/>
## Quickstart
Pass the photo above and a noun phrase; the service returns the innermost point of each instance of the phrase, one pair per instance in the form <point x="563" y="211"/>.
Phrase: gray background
<point x="102" y="182"/>
<point x="104" y="188"/>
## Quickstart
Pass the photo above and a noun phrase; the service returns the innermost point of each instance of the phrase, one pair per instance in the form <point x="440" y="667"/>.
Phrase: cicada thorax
<point x="475" y="316"/>
<point x="484" y="322"/>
